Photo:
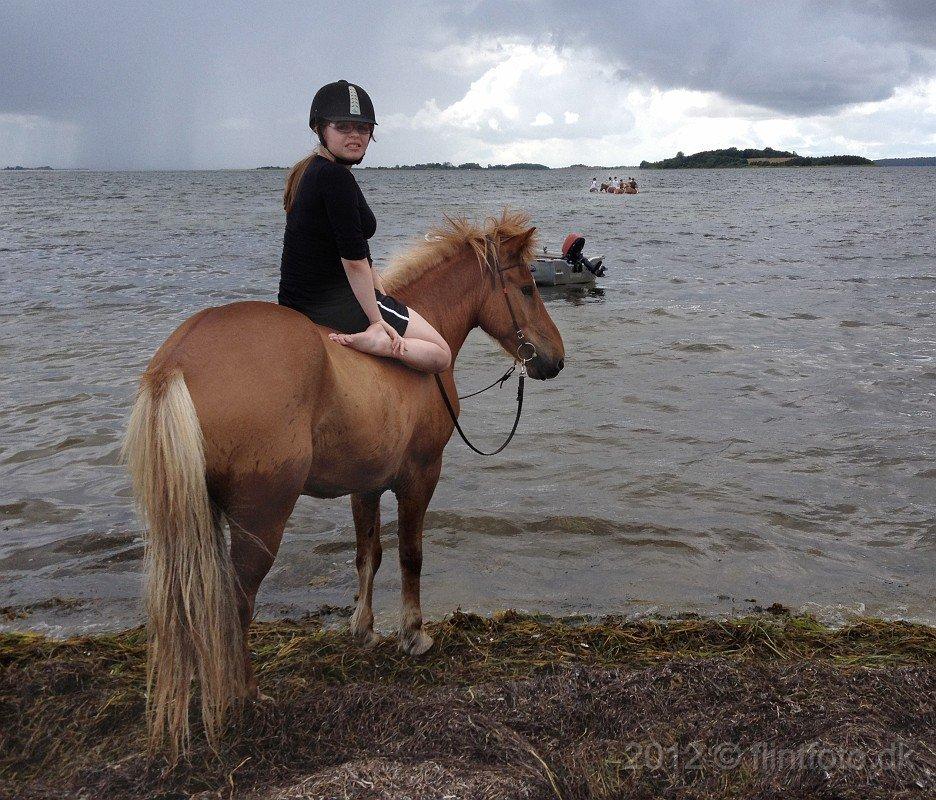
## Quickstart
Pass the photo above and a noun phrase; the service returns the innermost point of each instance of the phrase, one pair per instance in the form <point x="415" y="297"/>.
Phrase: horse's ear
<point x="519" y="241"/>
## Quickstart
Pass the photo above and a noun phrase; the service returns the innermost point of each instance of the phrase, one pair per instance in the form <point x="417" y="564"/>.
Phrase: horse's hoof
<point x="362" y="629"/>
<point x="367" y="639"/>
<point x="415" y="643"/>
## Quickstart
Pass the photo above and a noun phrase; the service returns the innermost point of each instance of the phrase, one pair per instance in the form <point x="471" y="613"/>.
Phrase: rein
<point x="519" y="357"/>
<point x="499" y="382"/>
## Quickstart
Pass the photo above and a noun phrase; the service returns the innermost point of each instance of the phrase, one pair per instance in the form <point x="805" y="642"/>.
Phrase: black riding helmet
<point x="341" y="102"/>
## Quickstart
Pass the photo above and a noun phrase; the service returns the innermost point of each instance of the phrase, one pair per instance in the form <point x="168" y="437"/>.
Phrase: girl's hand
<point x="397" y="343"/>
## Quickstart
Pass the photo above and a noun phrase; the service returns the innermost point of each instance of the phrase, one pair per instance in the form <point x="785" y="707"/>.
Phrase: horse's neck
<point x="449" y="296"/>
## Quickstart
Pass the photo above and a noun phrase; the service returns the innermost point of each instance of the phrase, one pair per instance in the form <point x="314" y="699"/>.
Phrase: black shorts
<point x="347" y="316"/>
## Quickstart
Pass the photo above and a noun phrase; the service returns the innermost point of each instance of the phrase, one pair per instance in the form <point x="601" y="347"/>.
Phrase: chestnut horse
<point x="247" y="406"/>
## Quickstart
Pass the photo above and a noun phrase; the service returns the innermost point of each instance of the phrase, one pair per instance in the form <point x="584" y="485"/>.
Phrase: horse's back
<point x="246" y="338"/>
<point x="273" y="394"/>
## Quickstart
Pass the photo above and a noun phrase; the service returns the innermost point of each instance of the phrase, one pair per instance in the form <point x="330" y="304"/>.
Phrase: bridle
<point x="492" y="262"/>
<point x="522" y="341"/>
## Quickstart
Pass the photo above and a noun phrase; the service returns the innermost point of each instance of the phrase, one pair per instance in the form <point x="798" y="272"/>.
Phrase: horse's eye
<point x="527" y="290"/>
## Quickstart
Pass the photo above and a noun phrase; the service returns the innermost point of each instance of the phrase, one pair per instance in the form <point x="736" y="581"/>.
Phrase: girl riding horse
<point x="326" y="270"/>
<point x="247" y="406"/>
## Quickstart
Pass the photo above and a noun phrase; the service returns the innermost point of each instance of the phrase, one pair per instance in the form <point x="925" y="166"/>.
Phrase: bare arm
<point x="361" y="277"/>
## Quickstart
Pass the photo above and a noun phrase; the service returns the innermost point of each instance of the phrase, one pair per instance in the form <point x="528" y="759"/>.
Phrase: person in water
<point x="326" y="270"/>
<point x="594" y="186"/>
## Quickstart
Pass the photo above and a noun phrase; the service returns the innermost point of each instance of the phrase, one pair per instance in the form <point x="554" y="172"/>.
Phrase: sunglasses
<point x="363" y="128"/>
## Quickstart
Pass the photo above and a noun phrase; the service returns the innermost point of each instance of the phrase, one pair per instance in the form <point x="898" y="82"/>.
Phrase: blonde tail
<point x="193" y="626"/>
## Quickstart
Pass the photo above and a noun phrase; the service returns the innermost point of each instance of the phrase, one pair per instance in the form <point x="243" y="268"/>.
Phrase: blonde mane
<point x="454" y="236"/>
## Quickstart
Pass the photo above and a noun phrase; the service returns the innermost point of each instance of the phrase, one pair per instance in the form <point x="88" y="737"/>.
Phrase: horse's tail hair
<point x="193" y="627"/>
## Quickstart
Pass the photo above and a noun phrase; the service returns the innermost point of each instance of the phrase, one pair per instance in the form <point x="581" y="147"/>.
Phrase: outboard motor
<point x="572" y="252"/>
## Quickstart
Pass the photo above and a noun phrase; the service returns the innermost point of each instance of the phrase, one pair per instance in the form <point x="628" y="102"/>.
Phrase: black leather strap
<point x="461" y="433"/>
<point x="500" y="381"/>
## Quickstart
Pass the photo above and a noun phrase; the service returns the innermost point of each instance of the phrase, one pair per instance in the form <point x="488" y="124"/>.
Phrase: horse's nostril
<point x="561" y="363"/>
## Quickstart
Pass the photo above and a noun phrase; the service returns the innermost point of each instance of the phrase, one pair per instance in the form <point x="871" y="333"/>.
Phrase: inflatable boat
<point x="568" y="268"/>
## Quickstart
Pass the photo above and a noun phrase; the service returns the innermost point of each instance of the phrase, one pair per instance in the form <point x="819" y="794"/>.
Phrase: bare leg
<point x="425" y="349"/>
<point x="374" y="342"/>
<point x="366" y="511"/>
<point x="414" y="498"/>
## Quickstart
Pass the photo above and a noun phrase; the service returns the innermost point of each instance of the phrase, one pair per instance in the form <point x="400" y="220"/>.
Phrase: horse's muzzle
<point x="543" y="368"/>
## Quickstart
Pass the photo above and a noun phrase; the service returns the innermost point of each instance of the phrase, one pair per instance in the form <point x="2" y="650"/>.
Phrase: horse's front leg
<point x="414" y="496"/>
<point x="366" y="511"/>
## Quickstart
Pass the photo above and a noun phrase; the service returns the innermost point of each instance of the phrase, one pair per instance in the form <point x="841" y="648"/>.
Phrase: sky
<point x="217" y="85"/>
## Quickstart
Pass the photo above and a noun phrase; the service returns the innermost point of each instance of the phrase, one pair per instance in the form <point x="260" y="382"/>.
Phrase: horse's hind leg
<point x="414" y="496"/>
<point x="256" y="524"/>
<point x="366" y="511"/>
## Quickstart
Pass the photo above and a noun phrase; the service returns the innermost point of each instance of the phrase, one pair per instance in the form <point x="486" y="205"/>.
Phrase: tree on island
<point x="522" y="165"/>
<point x="732" y="157"/>
<point x="467" y="165"/>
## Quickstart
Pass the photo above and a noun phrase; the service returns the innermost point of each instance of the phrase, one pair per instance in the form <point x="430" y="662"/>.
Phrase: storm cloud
<point x="797" y="57"/>
<point x="227" y="84"/>
<point x="167" y="82"/>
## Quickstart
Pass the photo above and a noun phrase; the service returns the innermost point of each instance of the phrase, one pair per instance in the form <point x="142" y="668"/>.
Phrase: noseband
<point x="522" y="342"/>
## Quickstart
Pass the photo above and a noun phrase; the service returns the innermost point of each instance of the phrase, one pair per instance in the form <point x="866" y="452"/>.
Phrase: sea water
<point x="746" y="414"/>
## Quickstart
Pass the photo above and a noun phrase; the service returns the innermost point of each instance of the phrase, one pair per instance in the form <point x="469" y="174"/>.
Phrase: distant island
<point x="17" y="168"/>
<point x="469" y="165"/>
<point x="440" y="165"/>
<point x="916" y="161"/>
<point x="602" y="168"/>
<point x="732" y="157"/>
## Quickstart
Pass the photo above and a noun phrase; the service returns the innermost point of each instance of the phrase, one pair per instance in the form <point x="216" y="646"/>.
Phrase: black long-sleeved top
<point x="329" y="220"/>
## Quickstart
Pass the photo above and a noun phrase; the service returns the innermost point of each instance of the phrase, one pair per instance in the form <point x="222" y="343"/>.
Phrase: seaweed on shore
<point x="509" y="706"/>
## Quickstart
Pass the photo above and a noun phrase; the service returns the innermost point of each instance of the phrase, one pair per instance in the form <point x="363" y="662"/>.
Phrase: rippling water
<point x="746" y="414"/>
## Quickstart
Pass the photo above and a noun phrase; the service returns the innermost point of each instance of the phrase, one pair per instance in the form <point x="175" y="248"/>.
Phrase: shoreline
<point x="61" y="618"/>
<point x="505" y="706"/>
